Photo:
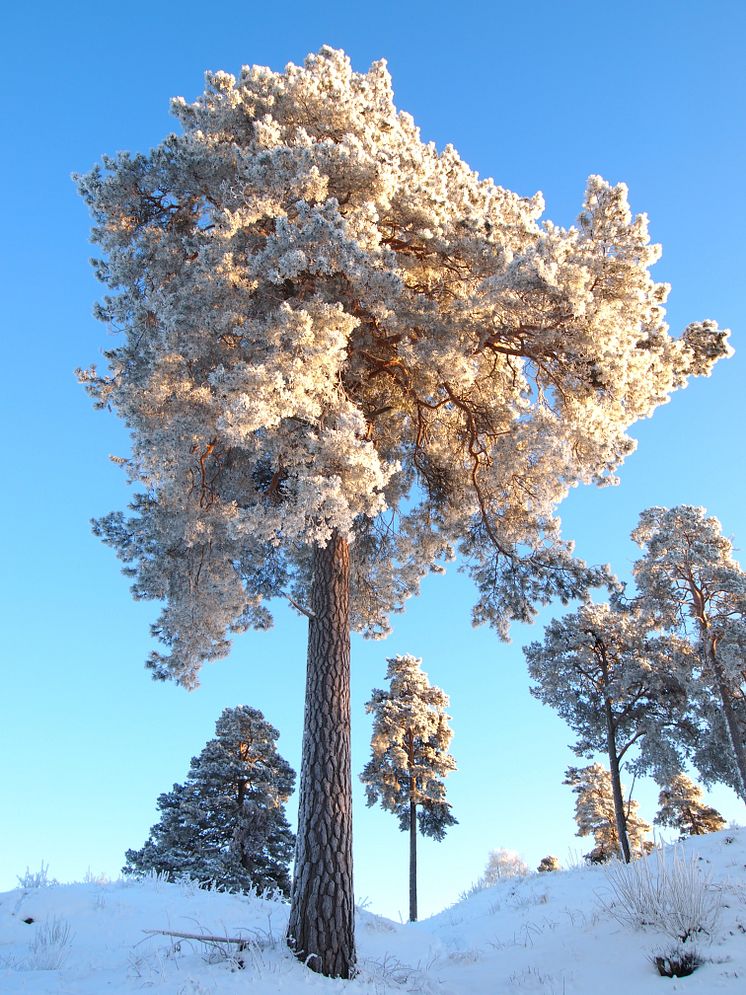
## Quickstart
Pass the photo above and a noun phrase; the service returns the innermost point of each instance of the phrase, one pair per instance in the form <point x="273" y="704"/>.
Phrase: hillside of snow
<point x="556" y="933"/>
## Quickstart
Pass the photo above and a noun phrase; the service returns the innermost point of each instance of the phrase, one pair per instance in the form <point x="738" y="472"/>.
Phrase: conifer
<point x="410" y="757"/>
<point x="225" y="827"/>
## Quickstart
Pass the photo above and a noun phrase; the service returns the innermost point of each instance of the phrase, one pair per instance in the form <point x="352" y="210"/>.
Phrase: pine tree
<point x="612" y="682"/>
<point x="225" y="826"/>
<point x="344" y="358"/>
<point x="690" y="583"/>
<point x="595" y="815"/>
<point x="410" y="757"/>
<point x="548" y="863"/>
<point x="681" y="807"/>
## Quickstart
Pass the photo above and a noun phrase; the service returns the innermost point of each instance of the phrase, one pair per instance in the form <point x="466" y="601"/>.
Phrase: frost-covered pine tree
<point x="681" y="807"/>
<point x="611" y="680"/>
<point x="225" y="826"/>
<point x="595" y="815"/>
<point x="409" y="756"/>
<point x="343" y="358"/>
<point x="689" y="581"/>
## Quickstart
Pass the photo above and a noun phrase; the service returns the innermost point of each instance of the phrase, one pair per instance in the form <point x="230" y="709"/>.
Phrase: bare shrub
<point x="668" y="892"/>
<point x="49" y="947"/>
<point x="36" y="879"/>
<point x="390" y="974"/>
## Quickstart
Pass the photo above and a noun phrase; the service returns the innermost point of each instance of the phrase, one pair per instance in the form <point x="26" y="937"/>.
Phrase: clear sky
<point x="537" y="95"/>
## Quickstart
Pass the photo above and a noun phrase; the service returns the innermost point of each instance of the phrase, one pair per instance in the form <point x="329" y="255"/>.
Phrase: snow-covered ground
<point x="553" y="933"/>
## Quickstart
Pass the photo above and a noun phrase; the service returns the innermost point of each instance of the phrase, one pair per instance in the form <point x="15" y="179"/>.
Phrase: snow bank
<point x="554" y="934"/>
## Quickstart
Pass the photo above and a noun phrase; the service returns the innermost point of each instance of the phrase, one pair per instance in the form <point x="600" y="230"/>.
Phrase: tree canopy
<point x="613" y="681"/>
<point x="329" y="324"/>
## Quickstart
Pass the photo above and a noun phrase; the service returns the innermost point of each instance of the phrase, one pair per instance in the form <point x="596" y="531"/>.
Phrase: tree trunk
<point x="412" y="861"/>
<point x="699" y="610"/>
<point x="616" y="785"/>
<point x="731" y="722"/>
<point x="321" y="930"/>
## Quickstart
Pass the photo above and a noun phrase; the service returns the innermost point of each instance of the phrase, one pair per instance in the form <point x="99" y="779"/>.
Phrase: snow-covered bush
<point x="548" y="863"/>
<point x="501" y="865"/>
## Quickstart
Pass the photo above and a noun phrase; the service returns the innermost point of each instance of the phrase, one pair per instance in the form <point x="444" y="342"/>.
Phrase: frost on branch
<point x="329" y="325"/>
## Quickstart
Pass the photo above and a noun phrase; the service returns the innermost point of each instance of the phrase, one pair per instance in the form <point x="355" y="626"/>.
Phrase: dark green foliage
<point x="225" y="827"/>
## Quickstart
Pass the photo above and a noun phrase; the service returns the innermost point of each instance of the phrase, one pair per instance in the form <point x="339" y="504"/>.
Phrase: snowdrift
<point x="561" y="933"/>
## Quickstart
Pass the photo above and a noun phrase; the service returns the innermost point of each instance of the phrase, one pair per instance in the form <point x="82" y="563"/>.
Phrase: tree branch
<point x="304" y="611"/>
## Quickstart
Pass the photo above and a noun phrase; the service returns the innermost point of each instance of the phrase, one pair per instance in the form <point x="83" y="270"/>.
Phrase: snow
<point x="550" y="933"/>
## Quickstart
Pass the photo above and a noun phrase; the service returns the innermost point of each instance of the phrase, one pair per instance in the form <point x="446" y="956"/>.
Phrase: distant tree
<point x="690" y="583"/>
<point x="502" y="864"/>
<point x="612" y="682"/>
<point x="225" y="826"/>
<point x="410" y="757"/>
<point x="548" y="863"/>
<point x="595" y="815"/>
<point x="682" y="808"/>
<point x="343" y="357"/>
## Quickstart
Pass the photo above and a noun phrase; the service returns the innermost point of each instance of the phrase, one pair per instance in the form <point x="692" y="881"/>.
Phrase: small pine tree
<point x="410" y="757"/>
<point x="225" y="826"/>
<point x="594" y="815"/>
<point x="548" y="863"/>
<point x="682" y="808"/>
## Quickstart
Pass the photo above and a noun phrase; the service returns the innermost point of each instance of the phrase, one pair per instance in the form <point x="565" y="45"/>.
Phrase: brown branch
<point x="202" y="937"/>
<point x="304" y="611"/>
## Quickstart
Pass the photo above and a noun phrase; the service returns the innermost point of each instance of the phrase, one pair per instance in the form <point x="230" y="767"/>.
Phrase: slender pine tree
<point x="410" y="757"/>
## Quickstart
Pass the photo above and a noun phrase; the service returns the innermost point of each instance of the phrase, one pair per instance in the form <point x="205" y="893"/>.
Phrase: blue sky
<point x="537" y="95"/>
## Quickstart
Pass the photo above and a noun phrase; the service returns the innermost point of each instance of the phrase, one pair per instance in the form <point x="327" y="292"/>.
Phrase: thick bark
<point x="731" y="723"/>
<point x="616" y="784"/>
<point x="700" y="612"/>
<point x="321" y="928"/>
<point x="412" y="861"/>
